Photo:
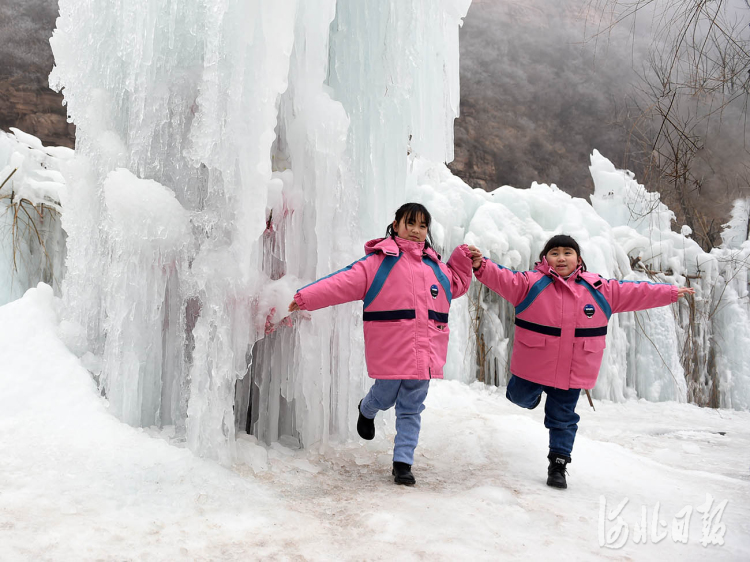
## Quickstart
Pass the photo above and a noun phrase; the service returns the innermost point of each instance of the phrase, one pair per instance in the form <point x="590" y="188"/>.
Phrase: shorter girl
<point x="561" y="323"/>
<point x="407" y="292"/>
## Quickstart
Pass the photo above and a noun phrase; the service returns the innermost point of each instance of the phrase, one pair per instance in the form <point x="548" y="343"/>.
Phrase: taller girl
<point x="406" y="292"/>
<point x="561" y="323"/>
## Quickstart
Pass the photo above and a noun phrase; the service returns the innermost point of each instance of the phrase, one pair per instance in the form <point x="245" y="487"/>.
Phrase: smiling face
<point x="563" y="260"/>
<point x="414" y="229"/>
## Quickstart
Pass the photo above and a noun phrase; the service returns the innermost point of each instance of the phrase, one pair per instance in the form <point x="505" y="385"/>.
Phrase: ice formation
<point x="32" y="242"/>
<point x="229" y="152"/>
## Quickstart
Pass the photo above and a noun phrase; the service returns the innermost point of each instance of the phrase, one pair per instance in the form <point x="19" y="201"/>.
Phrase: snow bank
<point x="80" y="485"/>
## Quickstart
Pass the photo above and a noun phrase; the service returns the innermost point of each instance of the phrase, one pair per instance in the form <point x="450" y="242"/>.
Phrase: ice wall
<point x="713" y="330"/>
<point x="264" y="142"/>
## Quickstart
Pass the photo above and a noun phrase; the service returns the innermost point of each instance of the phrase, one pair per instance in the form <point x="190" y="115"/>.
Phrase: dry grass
<point x="24" y="229"/>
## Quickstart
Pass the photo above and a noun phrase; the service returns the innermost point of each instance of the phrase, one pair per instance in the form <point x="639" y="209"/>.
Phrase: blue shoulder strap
<point x="598" y="297"/>
<point x="536" y="288"/>
<point x="382" y="274"/>
<point x="441" y="277"/>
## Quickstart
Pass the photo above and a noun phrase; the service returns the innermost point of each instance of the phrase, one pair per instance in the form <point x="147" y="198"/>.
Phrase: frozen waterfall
<point x="226" y="153"/>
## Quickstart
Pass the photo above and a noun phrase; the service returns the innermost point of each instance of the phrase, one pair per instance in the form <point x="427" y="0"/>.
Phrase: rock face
<point x="35" y="109"/>
<point x="26" y="102"/>
<point x="533" y="103"/>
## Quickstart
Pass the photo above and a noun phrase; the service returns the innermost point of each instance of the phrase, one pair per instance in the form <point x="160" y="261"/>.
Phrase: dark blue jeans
<point x="559" y="410"/>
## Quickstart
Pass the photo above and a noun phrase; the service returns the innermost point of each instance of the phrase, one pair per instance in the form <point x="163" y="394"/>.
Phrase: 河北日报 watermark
<point x="614" y="529"/>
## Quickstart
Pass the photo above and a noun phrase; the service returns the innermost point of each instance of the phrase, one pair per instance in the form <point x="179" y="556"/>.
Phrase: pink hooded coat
<point x="561" y="324"/>
<point x="407" y="293"/>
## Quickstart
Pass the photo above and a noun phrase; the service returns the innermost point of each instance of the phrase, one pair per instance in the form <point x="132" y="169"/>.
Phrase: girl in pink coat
<point x="406" y="292"/>
<point x="561" y="323"/>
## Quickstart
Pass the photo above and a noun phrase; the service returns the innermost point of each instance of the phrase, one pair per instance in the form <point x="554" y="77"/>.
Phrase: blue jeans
<point x="559" y="410"/>
<point x="408" y="395"/>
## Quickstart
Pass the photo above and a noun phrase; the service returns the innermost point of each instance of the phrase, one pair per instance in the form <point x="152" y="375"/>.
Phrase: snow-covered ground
<point x="77" y="484"/>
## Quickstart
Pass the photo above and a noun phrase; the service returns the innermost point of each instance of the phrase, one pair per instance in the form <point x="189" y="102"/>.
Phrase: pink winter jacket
<point x="561" y="324"/>
<point x="407" y="292"/>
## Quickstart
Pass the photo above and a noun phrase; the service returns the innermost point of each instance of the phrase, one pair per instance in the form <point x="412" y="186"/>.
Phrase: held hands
<point x="293" y="306"/>
<point x="476" y="257"/>
<point x="682" y="291"/>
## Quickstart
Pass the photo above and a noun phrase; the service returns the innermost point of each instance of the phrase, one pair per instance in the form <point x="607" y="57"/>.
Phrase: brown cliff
<point x="35" y="109"/>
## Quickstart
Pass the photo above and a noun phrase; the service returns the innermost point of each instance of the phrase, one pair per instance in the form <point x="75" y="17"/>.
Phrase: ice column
<point x="731" y="311"/>
<point x="394" y="67"/>
<point x="145" y="229"/>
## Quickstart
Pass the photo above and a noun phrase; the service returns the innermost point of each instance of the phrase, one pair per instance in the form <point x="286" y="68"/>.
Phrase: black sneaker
<point x="365" y="426"/>
<point x="556" y="470"/>
<point x="402" y="473"/>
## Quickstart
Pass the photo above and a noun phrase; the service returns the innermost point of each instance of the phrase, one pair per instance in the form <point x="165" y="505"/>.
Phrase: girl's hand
<point x="293" y="306"/>
<point x="476" y="257"/>
<point x="682" y="291"/>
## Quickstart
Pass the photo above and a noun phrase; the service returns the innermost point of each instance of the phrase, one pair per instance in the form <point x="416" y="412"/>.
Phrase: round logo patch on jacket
<point x="589" y="310"/>
<point x="434" y="291"/>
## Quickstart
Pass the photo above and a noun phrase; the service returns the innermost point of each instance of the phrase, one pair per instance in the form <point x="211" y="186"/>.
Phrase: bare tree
<point x="694" y="91"/>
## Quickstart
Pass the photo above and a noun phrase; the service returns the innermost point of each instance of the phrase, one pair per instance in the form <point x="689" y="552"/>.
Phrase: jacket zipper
<point x="416" y="320"/>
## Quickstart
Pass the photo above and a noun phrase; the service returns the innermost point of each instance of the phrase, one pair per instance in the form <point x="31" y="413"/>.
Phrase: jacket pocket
<point x="592" y="345"/>
<point x="587" y="360"/>
<point x="535" y="355"/>
<point x="390" y="348"/>
<point x="530" y="339"/>
<point x="439" y="335"/>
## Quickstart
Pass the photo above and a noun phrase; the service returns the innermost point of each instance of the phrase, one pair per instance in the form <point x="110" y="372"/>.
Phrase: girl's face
<point x="563" y="260"/>
<point x="414" y="229"/>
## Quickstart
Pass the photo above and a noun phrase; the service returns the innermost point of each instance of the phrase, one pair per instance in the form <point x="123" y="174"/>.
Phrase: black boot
<point x="402" y="473"/>
<point x="365" y="426"/>
<point x="556" y="470"/>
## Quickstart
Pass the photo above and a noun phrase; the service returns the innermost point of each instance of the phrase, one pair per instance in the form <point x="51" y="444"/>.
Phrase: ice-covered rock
<point x="32" y="242"/>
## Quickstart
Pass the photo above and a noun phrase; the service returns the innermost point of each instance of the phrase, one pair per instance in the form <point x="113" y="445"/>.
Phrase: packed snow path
<point x="76" y="484"/>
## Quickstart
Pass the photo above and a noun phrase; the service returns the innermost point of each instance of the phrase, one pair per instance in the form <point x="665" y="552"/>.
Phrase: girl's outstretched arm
<point x="345" y="285"/>
<point x="511" y="285"/>
<point x="459" y="265"/>
<point x="624" y="296"/>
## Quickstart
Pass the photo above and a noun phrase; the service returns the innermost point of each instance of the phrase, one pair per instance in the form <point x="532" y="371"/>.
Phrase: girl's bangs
<point x="414" y="213"/>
